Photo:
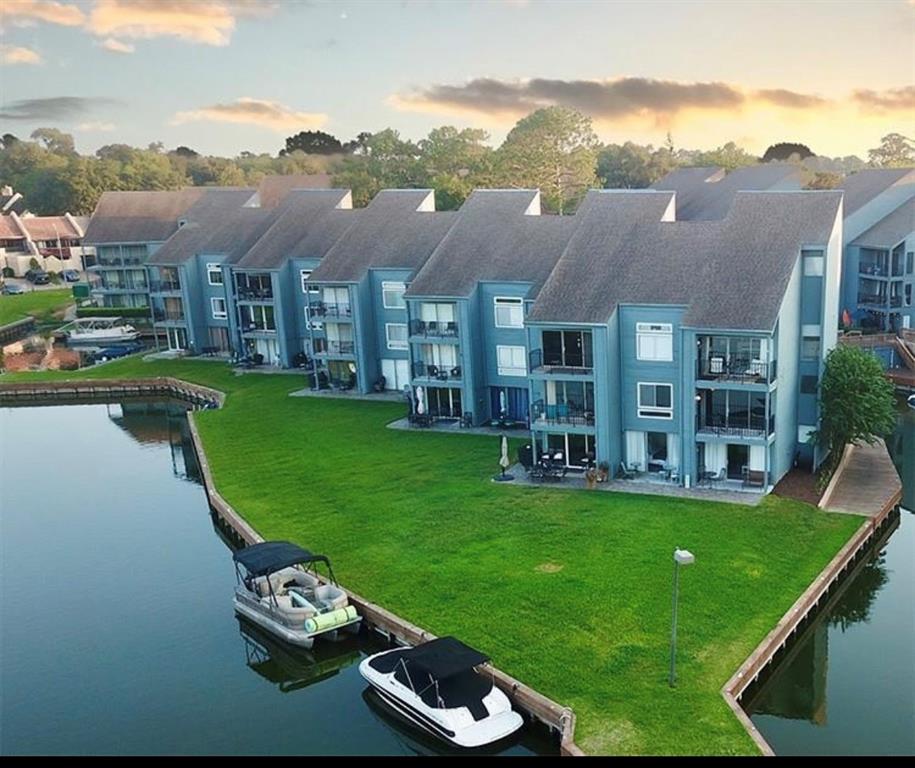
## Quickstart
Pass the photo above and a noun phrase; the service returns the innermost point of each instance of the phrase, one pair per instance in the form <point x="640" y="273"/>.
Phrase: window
<point x="219" y="308"/>
<point x="392" y="295"/>
<point x="511" y="361"/>
<point x="257" y="318"/>
<point x="214" y="274"/>
<point x="509" y="312"/>
<point x="656" y="401"/>
<point x="654" y="341"/>
<point x="808" y="385"/>
<point x="304" y="274"/>
<point x="907" y="296"/>
<point x="396" y="335"/>
<point x="810" y="347"/>
<point x="909" y="263"/>
<point x="813" y="263"/>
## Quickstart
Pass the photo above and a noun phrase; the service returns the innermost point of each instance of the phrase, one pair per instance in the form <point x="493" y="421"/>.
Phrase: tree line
<point x="554" y="149"/>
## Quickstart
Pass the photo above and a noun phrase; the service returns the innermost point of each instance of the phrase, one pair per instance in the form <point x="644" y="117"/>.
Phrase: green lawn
<point x="567" y="590"/>
<point x="45" y="306"/>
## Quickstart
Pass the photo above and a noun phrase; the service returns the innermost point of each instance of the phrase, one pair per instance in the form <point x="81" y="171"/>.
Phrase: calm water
<point x="117" y="633"/>
<point x="848" y="686"/>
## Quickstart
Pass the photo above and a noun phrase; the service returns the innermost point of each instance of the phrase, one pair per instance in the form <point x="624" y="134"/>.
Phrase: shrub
<point x="8" y="272"/>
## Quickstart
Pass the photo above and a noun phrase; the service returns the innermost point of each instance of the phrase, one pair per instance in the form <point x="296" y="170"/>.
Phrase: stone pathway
<point x="867" y="484"/>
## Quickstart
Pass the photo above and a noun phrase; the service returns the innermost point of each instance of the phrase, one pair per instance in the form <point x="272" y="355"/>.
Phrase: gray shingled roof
<point x="702" y="200"/>
<point x="686" y="178"/>
<point x="307" y="224"/>
<point x="145" y="217"/>
<point x="862" y="187"/>
<point x="728" y="274"/>
<point x="389" y="233"/>
<point x="892" y="229"/>
<point x="274" y="188"/>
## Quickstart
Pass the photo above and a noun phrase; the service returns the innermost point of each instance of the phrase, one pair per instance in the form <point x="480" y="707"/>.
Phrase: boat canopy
<point x="444" y="657"/>
<point x="269" y="556"/>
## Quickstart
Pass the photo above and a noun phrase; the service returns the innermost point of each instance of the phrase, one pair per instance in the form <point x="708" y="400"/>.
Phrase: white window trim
<point x="511" y="370"/>
<point x="219" y="314"/>
<point x="507" y="301"/>
<point x="654" y="411"/>
<point x="405" y="344"/>
<point x="654" y="329"/>
<point x="394" y="285"/>
<point x="214" y="267"/>
<point x="304" y="274"/>
<point x="814" y="265"/>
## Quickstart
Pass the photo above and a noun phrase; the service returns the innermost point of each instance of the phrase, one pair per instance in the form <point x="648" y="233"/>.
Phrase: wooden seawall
<point x="101" y="389"/>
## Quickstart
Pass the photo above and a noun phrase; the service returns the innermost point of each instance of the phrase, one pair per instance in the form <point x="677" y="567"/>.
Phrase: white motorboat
<point x="282" y="593"/>
<point x="436" y="687"/>
<point x="98" y="332"/>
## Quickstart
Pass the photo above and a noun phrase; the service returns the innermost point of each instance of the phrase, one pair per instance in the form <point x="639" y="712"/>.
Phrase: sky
<point x="226" y="76"/>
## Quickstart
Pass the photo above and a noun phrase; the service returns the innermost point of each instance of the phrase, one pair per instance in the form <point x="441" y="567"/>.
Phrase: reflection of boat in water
<point x="290" y="668"/>
<point x="911" y="401"/>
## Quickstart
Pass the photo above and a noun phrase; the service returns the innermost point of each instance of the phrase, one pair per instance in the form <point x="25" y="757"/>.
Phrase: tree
<point x="8" y="140"/>
<point x="824" y="180"/>
<point x="729" y="157"/>
<point x="785" y="150"/>
<point x="389" y="162"/>
<point x="183" y="151"/>
<point x="632" y="166"/>
<point x="553" y="149"/>
<point x="55" y="141"/>
<point x="895" y="151"/>
<point x="358" y="145"/>
<point x="856" y="402"/>
<point x="313" y="143"/>
<point x="452" y="162"/>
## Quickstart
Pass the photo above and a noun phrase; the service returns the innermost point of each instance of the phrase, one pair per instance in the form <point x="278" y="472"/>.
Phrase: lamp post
<point x="681" y="557"/>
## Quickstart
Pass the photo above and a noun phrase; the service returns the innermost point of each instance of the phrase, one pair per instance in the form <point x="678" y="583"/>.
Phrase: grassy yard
<point x="567" y="590"/>
<point x="45" y="306"/>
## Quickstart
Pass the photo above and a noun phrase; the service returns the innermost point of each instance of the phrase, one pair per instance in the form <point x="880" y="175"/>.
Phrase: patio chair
<point x="432" y="371"/>
<point x="719" y="478"/>
<point x="467" y="420"/>
<point x="626" y="473"/>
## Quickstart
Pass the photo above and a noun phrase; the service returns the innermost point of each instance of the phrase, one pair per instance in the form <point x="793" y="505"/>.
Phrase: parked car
<point x="38" y="277"/>
<point x="70" y="275"/>
<point x="113" y="353"/>
<point x="12" y="289"/>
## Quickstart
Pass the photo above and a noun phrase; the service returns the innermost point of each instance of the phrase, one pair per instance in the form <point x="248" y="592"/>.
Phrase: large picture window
<point x="392" y="295"/>
<point x="509" y="312"/>
<point x="656" y="401"/>
<point x="396" y="335"/>
<point x="214" y="274"/>
<point x="654" y="341"/>
<point x="512" y="361"/>
<point x="219" y="308"/>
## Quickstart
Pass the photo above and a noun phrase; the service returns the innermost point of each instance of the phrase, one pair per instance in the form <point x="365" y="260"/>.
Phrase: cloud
<point x="247" y="111"/>
<point x="24" y="13"/>
<point x="790" y="99"/>
<point x="96" y="125"/>
<point x="210" y="22"/>
<point x="13" y="54"/>
<point x="116" y="46"/>
<point x="57" y="108"/>
<point x="890" y="99"/>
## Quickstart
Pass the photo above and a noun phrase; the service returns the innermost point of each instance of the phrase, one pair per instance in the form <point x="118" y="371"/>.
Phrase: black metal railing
<point x="118" y="262"/>
<point x="872" y="270"/>
<point x="254" y="294"/>
<point x="440" y="373"/>
<point x="577" y="365"/>
<point x="168" y="315"/>
<point x="735" y="427"/>
<point x="872" y="298"/>
<point x="434" y="328"/>
<point x="325" y="309"/>
<point x="561" y="413"/>
<point x="162" y="286"/>
<point x="256" y="328"/>
<point x="720" y="368"/>
<point x="334" y="347"/>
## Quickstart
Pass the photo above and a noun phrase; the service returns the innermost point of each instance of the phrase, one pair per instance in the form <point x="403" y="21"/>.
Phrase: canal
<point x="847" y="687"/>
<point x="117" y="634"/>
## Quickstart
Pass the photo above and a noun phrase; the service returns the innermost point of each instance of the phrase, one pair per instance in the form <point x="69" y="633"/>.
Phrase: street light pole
<point x="681" y="557"/>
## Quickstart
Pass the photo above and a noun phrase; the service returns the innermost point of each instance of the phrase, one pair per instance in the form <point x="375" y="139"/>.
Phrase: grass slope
<point x="45" y="306"/>
<point x="568" y="591"/>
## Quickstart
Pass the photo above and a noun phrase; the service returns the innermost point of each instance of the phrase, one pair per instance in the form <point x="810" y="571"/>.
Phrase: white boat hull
<point x="297" y="637"/>
<point x="100" y="339"/>
<point x="455" y="726"/>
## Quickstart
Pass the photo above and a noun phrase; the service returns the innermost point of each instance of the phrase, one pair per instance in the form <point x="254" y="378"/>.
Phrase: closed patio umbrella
<point x="420" y="402"/>
<point x="502" y="403"/>
<point x="504" y="461"/>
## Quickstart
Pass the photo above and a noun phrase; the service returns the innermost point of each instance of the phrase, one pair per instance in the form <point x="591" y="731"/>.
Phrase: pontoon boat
<point x="282" y="593"/>
<point x="97" y="332"/>
<point x="436" y="686"/>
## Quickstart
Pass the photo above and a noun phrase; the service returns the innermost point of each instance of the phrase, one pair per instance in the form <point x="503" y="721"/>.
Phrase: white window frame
<point x="222" y="314"/>
<point x="214" y="267"/>
<point x="653" y="331"/>
<point x="393" y="286"/>
<point x="396" y="343"/>
<point x="654" y="411"/>
<point x="814" y="264"/>
<point x="510" y="302"/>
<point x="304" y="274"/>
<point x="512" y="369"/>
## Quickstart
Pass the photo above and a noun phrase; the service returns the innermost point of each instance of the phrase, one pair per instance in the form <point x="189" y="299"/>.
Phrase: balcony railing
<point x="117" y="288"/>
<point x="561" y="413"/>
<point x="576" y="366"/>
<point x="748" y="370"/>
<point x="325" y="309"/>
<point x="168" y="315"/>
<point x="163" y="286"/>
<point x="334" y="347"/>
<point x="254" y="294"/>
<point x="735" y="427"/>
<point x="439" y="373"/>
<point x="872" y="270"/>
<point x="434" y="328"/>
<point x="872" y="299"/>
<point x="118" y="262"/>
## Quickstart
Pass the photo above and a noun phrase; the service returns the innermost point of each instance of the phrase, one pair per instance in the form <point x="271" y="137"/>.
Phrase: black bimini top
<point x="269" y="556"/>
<point x="440" y="659"/>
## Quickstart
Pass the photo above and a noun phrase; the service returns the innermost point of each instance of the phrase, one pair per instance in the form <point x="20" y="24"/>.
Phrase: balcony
<point x="573" y="365"/>
<point x="735" y="426"/>
<point x="872" y="299"/>
<point x="168" y="316"/>
<point x="332" y="347"/>
<point x="437" y="329"/>
<point x="164" y="286"/>
<point x="866" y="269"/>
<point x="742" y="370"/>
<point x="561" y="413"/>
<point x="435" y="372"/>
<point x="339" y="311"/>
<point x="118" y="262"/>
<point x="254" y="294"/>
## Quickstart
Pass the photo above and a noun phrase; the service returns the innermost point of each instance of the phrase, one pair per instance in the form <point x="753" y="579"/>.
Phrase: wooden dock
<point x="105" y="390"/>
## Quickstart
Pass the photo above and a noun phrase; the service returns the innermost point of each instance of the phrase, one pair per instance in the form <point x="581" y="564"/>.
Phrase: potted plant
<point x="603" y="471"/>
